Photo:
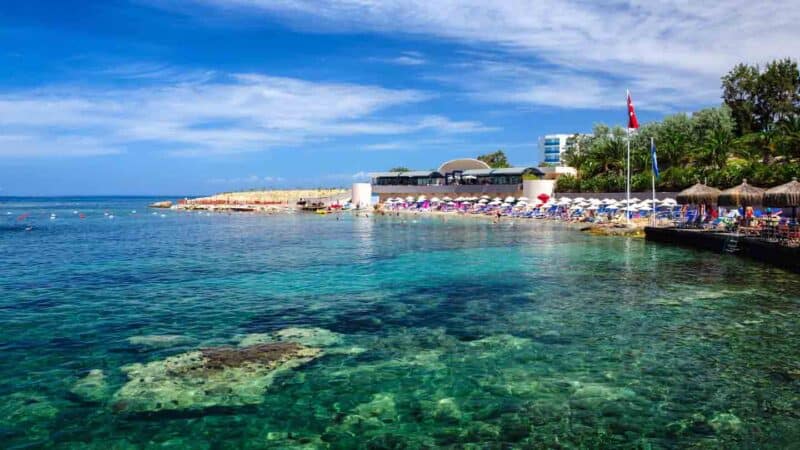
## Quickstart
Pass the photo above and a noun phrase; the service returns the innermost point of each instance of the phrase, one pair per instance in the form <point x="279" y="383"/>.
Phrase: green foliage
<point x="755" y="134"/>
<point x="400" y="169"/>
<point x="495" y="160"/>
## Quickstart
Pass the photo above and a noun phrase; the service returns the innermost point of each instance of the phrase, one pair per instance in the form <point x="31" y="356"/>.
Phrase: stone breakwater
<point x="274" y="197"/>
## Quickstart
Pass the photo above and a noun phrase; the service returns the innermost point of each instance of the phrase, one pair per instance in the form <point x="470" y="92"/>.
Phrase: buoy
<point x="82" y="215"/>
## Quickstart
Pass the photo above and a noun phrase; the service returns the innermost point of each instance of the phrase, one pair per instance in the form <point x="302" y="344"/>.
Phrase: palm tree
<point x="790" y="136"/>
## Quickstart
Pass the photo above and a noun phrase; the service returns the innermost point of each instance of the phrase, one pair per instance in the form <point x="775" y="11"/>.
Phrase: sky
<point x="168" y="97"/>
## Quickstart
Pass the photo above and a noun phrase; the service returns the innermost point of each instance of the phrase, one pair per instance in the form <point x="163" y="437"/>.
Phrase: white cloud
<point x="674" y="49"/>
<point x="408" y="58"/>
<point x="223" y="114"/>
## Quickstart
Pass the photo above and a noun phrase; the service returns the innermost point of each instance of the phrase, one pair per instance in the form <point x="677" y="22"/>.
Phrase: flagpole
<point x="653" y="170"/>
<point x="628" y="183"/>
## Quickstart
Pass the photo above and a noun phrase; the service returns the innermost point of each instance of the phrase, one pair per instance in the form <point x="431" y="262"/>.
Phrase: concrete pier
<point x="768" y="252"/>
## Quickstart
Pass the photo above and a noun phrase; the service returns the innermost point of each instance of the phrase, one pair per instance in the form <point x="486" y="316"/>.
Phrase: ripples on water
<point x="468" y="333"/>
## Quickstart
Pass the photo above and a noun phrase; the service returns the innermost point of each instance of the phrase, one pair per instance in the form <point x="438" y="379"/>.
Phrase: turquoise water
<point x="455" y="334"/>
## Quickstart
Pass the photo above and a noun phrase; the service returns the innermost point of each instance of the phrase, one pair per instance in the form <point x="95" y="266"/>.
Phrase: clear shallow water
<point x="470" y="334"/>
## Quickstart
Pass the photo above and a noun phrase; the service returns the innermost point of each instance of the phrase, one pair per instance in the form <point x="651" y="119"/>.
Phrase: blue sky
<point x="198" y="96"/>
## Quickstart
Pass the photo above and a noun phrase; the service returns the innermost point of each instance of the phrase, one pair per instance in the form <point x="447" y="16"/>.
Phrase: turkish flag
<point x="633" y="122"/>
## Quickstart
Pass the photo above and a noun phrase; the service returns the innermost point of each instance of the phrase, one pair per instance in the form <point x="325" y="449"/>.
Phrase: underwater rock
<point x="27" y="413"/>
<point x="447" y="411"/>
<point x="312" y="337"/>
<point x="597" y="390"/>
<point x="725" y="423"/>
<point x="217" y="376"/>
<point x="159" y="340"/>
<point x="382" y="407"/>
<point x="91" y="388"/>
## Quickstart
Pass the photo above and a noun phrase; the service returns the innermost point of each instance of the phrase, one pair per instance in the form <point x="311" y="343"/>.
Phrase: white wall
<point x="534" y="188"/>
<point x="361" y="195"/>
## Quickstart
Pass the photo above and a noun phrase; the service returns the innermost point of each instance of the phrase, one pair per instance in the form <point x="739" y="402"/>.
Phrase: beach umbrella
<point x="523" y="199"/>
<point x="564" y="199"/>
<point x="578" y="199"/>
<point x="645" y="208"/>
<point x="699" y="194"/>
<point x="612" y="207"/>
<point x="509" y="199"/>
<point x="742" y="195"/>
<point x="497" y="199"/>
<point x="544" y="198"/>
<point x="409" y="199"/>
<point x="630" y="208"/>
<point x="435" y="200"/>
<point x="669" y="201"/>
<point x="483" y="201"/>
<point x="593" y="208"/>
<point x="785" y="195"/>
<point x="447" y="199"/>
<point x="450" y="203"/>
<point x="485" y="196"/>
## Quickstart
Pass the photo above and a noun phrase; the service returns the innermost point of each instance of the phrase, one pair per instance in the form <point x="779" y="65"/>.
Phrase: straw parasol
<point x="742" y="195"/>
<point x="784" y="195"/>
<point x="698" y="194"/>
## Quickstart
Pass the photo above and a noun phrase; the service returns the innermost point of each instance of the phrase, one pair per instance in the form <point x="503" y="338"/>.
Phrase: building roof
<point x="478" y="172"/>
<point x="462" y="164"/>
<point x="409" y="174"/>
<point x="504" y="171"/>
<point x="421" y="174"/>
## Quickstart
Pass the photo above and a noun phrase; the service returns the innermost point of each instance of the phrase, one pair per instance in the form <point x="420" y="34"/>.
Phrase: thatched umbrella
<point x="699" y="194"/>
<point x="785" y="195"/>
<point x="742" y="195"/>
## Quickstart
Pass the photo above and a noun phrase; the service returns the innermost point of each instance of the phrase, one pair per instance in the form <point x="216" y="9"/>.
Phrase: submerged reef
<point x="91" y="388"/>
<point x="217" y="376"/>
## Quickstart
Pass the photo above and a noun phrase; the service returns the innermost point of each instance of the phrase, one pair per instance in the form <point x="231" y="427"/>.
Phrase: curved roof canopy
<point x="462" y="165"/>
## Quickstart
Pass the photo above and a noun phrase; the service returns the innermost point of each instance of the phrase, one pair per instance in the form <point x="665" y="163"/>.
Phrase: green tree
<point x="778" y="93"/>
<point x="399" y="169"/>
<point x="739" y="91"/>
<point x="495" y="160"/>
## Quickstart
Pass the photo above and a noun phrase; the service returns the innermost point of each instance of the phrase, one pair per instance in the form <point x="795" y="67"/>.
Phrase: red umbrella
<point x="543" y="197"/>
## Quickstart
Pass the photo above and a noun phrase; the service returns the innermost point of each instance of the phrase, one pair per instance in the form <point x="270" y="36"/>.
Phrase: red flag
<point x="633" y="122"/>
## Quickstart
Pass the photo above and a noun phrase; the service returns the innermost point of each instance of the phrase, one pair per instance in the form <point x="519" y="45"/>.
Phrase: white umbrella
<point x="564" y="200"/>
<point x="450" y="203"/>
<point x="497" y="199"/>
<point x="459" y="199"/>
<point x="669" y="201"/>
<point x="630" y="208"/>
<point x="579" y="199"/>
<point x="485" y="196"/>
<point x="575" y="207"/>
<point x="409" y="199"/>
<point x="509" y="199"/>
<point x="447" y="199"/>
<point x="523" y="199"/>
<point x="593" y="208"/>
<point x="435" y="200"/>
<point x="645" y="208"/>
<point x="483" y="200"/>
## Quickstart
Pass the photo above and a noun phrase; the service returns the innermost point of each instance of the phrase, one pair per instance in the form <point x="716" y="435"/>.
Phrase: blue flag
<point x="653" y="154"/>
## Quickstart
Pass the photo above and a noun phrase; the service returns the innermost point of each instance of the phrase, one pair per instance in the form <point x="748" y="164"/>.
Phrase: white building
<point x="553" y="147"/>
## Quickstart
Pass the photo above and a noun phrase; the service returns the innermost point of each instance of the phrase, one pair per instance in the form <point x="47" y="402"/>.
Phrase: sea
<point x="433" y="333"/>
